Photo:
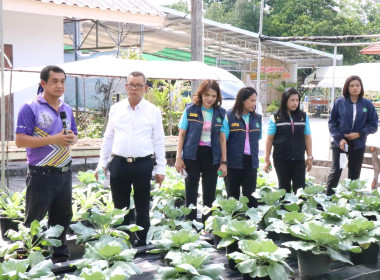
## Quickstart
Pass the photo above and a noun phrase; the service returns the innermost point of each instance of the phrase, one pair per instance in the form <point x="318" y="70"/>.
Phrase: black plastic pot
<point x="312" y="266"/>
<point x="216" y="239"/>
<point x="179" y="202"/>
<point x="285" y="237"/>
<point x="247" y="277"/>
<point x="6" y="224"/>
<point x="230" y="249"/>
<point x="76" y="250"/>
<point x="273" y="235"/>
<point x="368" y="256"/>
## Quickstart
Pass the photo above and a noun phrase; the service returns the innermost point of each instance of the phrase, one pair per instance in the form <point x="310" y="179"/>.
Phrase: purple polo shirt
<point x="37" y="118"/>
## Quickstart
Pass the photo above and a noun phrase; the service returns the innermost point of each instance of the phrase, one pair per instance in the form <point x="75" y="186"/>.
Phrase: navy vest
<point x="194" y="131"/>
<point x="236" y="139"/>
<point x="288" y="145"/>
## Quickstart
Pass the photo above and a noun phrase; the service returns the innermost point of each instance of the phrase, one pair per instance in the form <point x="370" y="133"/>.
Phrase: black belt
<point x="133" y="159"/>
<point x="63" y="169"/>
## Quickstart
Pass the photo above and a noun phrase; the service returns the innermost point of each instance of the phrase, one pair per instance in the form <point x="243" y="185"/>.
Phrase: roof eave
<point x="73" y="11"/>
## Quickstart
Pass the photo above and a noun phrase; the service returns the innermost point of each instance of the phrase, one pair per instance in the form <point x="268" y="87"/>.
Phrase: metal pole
<point x="197" y="34"/>
<point x="333" y="88"/>
<point x="141" y="39"/>
<point x="259" y="50"/>
<point x="333" y="81"/>
<point x="76" y="78"/>
<point x="2" y="98"/>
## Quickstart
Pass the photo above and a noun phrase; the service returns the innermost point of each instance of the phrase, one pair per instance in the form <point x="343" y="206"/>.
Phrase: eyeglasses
<point x="135" y="86"/>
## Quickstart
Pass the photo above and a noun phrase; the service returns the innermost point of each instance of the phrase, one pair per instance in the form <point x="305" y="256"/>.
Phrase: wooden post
<point x="197" y="34"/>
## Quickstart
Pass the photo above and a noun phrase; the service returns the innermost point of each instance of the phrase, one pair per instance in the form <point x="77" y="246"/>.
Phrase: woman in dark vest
<point x="243" y="134"/>
<point x="352" y="118"/>
<point x="289" y="133"/>
<point x="201" y="145"/>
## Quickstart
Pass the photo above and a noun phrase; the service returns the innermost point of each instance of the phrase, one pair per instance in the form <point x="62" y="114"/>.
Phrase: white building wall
<point x="36" y="40"/>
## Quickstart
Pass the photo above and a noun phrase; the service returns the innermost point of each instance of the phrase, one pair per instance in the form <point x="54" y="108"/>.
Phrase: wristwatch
<point x="224" y="162"/>
<point x="310" y="157"/>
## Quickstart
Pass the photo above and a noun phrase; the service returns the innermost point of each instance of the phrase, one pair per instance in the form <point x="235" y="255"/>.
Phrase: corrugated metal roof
<point x="131" y="6"/>
<point x="372" y="49"/>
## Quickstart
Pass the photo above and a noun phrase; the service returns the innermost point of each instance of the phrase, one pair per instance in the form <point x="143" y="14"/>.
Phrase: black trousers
<point x="50" y="192"/>
<point x="290" y="174"/>
<point x="246" y="178"/>
<point x="194" y="168"/>
<point x="355" y="160"/>
<point x="123" y="176"/>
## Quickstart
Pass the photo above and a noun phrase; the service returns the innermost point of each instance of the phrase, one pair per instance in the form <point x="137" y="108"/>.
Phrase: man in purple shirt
<point x="46" y="128"/>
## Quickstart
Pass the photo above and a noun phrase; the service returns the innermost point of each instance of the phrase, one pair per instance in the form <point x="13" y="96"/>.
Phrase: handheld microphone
<point x="64" y="121"/>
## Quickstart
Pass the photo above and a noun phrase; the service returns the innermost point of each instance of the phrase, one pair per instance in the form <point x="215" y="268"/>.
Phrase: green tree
<point x="240" y="13"/>
<point x="181" y="6"/>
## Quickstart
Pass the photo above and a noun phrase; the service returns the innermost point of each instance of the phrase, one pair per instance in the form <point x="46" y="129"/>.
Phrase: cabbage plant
<point x="261" y="258"/>
<point x="320" y="238"/>
<point x="24" y="269"/>
<point x="32" y="241"/>
<point x="362" y="232"/>
<point x="103" y="224"/>
<point x="235" y="230"/>
<point x="181" y="240"/>
<point x="107" y="258"/>
<point x="190" y="265"/>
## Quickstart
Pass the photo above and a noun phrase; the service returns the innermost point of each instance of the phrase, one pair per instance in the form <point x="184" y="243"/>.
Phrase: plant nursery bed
<point x="148" y="264"/>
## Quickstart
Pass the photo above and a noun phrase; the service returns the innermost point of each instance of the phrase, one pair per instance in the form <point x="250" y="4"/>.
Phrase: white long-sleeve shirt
<point x="134" y="133"/>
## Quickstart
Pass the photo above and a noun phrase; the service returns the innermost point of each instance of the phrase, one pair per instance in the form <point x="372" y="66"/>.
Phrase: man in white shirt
<point x="134" y="133"/>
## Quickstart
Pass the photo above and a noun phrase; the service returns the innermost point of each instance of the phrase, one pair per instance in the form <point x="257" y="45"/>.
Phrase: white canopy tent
<point x="112" y="67"/>
<point x="368" y="72"/>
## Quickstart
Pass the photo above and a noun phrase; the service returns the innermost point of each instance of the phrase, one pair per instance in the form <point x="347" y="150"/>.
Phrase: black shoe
<point x="60" y="259"/>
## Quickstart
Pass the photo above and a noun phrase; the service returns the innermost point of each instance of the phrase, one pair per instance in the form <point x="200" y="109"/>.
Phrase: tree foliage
<point x="302" y="18"/>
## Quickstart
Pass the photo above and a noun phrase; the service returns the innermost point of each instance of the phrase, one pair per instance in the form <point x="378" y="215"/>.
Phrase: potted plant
<point x="31" y="242"/>
<point x="235" y="230"/>
<point x="172" y="190"/>
<point x="350" y="189"/>
<point x="169" y="217"/>
<point x="107" y="258"/>
<point x="190" y="265"/>
<point x="318" y="244"/>
<point x="25" y="269"/>
<point x="366" y="234"/>
<point x="368" y="205"/>
<point x="261" y="259"/>
<point x="224" y="210"/>
<point x="103" y="224"/>
<point x="314" y="198"/>
<point x="11" y="210"/>
<point x="271" y="206"/>
<point x="181" y="240"/>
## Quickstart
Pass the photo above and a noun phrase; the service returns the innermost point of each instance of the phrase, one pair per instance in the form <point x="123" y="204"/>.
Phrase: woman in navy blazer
<point x="352" y="118"/>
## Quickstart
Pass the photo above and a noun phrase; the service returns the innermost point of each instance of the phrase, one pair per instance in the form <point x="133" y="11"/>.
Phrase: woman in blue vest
<point x="243" y="134"/>
<point x="289" y="133"/>
<point x="201" y="145"/>
<point x="352" y="118"/>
